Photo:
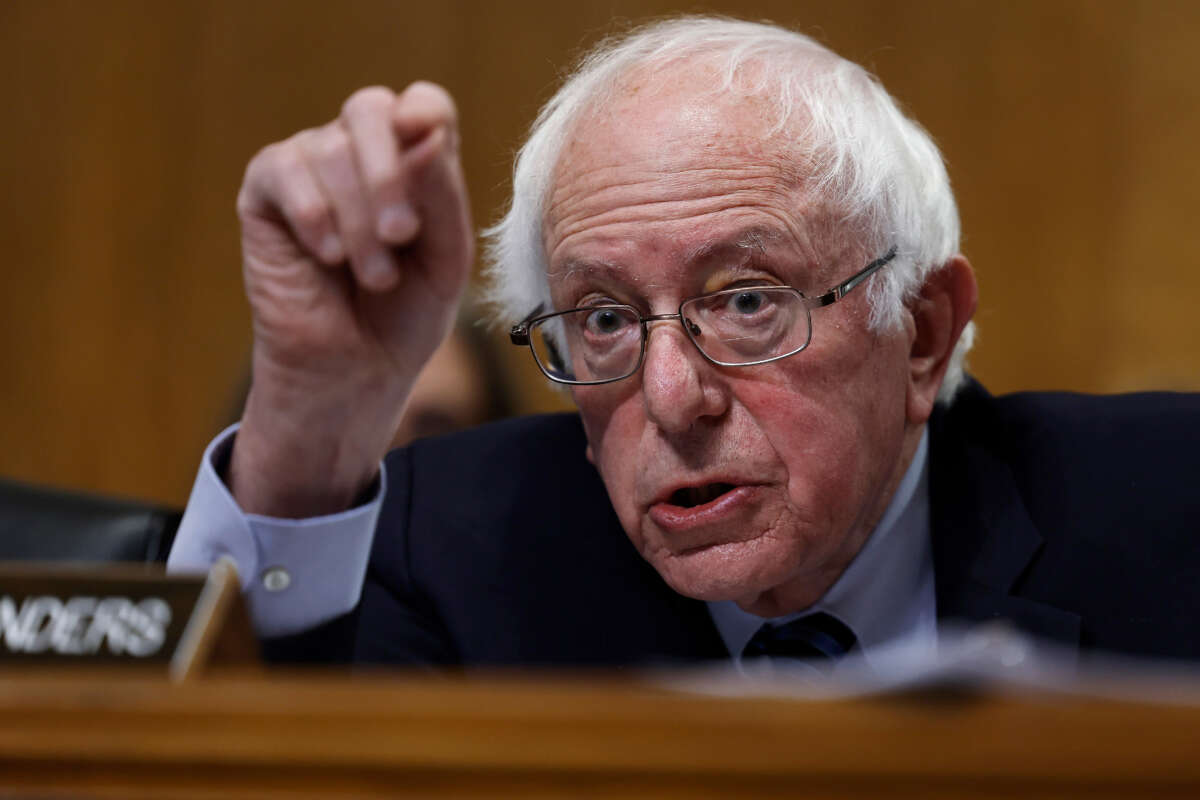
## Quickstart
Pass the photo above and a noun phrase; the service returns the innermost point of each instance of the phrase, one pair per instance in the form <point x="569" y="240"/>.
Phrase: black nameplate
<point x="134" y="614"/>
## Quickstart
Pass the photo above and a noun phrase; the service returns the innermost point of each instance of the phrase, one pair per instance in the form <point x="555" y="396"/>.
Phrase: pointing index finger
<point x="367" y="118"/>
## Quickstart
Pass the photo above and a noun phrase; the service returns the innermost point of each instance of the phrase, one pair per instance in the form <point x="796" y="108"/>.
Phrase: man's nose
<point x="679" y="385"/>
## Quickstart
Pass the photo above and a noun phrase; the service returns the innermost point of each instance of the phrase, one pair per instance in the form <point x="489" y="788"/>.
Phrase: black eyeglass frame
<point x="519" y="334"/>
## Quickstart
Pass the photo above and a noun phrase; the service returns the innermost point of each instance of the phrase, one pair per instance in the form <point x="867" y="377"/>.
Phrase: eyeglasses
<point x="738" y="327"/>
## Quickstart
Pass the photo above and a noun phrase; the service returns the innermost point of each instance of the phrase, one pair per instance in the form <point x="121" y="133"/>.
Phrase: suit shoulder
<point x="1112" y="474"/>
<point x="1104" y="485"/>
<point x="1147" y="413"/>
<point x="1104" y="428"/>
<point x="1083" y="464"/>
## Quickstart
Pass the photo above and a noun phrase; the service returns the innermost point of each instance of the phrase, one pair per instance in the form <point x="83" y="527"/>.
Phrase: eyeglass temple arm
<point x="846" y="286"/>
<point x="519" y="334"/>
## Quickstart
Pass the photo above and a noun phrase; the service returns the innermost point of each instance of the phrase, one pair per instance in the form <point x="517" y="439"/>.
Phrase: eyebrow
<point x="575" y="267"/>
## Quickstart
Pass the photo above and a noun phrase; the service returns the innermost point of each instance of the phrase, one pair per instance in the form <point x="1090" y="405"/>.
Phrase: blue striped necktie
<point x="818" y="640"/>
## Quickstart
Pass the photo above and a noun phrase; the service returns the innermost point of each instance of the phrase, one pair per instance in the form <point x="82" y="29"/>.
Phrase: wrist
<point x="304" y="453"/>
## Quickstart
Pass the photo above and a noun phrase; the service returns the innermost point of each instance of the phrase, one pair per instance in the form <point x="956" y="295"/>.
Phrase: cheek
<point x="614" y="424"/>
<point x="808" y="433"/>
<point x="832" y="430"/>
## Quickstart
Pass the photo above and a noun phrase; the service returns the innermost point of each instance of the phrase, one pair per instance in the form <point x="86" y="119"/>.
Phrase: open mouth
<point x="692" y="496"/>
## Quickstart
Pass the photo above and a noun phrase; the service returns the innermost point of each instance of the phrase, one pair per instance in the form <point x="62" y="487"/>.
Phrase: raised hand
<point x="356" y="244"/>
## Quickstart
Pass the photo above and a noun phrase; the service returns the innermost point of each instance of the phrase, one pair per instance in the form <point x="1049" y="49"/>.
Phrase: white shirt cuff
<point x="295" y="573"/>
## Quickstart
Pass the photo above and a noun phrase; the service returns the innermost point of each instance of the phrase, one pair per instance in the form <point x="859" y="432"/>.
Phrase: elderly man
<point x="743" y="260"/>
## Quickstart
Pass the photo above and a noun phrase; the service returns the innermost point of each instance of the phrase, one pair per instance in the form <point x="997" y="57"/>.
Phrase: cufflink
<point x="276" y="579"/>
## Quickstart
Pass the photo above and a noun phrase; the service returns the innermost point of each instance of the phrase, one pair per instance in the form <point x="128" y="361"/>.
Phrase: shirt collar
<point x="886" y="593"/>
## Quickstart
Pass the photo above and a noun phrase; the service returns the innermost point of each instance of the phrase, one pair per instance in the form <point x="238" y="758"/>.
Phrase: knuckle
<point x="257" y="180"/>
<point x="329" y="144"/>
<point x="259" y="162"/>
<point x="382" y="175"/>
<point x="308" y="213"/>
<point x="245" y="203"/>
<point x="273" y="162"/>
<point x="302" y="139"/>
<point x="356" y="230"/>
<point x="285" y="159"/>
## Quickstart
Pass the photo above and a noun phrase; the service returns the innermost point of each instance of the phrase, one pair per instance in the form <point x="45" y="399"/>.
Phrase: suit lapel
<point x="983" y="537"/>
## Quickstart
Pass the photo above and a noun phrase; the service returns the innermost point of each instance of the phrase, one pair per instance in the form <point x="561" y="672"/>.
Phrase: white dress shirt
<point x="886" y="595"/>
<point x="295" y="573"/>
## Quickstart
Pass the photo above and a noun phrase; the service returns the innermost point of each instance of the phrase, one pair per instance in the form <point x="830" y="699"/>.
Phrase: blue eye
<point x="747" y="302"/>
<point x="604" y="321"/>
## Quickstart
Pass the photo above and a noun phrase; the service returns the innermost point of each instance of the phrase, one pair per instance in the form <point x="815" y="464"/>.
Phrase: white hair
<point x="879" y="169"/>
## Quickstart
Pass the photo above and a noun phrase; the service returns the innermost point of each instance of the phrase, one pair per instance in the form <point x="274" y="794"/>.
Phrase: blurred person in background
<point x="460" y="387"/>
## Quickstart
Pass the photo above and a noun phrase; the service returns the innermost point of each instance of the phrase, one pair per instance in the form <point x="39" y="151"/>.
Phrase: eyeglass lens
<point x="737" y="326"/>
<point x="742" y="326"/>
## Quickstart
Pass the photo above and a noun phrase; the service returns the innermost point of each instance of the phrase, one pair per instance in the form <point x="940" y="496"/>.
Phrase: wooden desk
<point x="103" y="735"/>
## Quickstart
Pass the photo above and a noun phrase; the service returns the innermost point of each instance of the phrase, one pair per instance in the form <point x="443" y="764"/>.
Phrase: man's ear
<point x="942" y="309"/>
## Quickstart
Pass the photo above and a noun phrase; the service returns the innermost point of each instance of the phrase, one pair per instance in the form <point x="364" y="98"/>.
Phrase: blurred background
<point x="1070" y="128"/>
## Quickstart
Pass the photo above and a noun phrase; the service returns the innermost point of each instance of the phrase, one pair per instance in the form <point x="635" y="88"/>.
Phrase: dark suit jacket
<point x="1075" y="517"/>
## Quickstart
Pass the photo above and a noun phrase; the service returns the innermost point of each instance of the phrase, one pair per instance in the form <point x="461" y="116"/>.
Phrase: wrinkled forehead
<point x="658" y="147"/>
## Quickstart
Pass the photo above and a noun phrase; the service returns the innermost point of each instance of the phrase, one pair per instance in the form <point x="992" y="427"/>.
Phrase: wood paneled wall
<point x="1070" y="129"/>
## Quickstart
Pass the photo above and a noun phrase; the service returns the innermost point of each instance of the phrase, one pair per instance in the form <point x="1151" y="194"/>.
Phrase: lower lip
<point x="674" y="518"/>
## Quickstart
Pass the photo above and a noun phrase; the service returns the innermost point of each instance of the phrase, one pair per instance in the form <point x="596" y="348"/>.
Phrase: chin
<point x="738" y="571"/>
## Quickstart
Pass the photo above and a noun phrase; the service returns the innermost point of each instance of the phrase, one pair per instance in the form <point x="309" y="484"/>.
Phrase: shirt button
<point x="276" y="579"/>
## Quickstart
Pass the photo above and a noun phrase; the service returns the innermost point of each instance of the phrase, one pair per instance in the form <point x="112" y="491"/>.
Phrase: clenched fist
<point x="356" y="245"/>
